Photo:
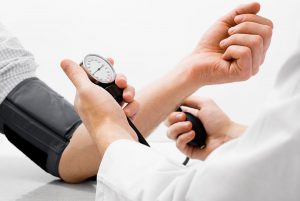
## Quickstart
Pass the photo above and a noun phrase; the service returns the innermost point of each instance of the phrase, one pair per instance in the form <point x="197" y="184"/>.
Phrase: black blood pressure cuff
<point x="39" y="122"/>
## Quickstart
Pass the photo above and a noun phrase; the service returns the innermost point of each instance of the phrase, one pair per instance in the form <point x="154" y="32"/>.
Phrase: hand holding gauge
<point x="101" y="73"/>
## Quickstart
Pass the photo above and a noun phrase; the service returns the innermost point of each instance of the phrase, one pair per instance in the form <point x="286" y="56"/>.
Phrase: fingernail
<point x="222" y="43"/>
<point x="128" y="94"/>
<point x="187" y="124"/>
<point x="231" y="30"/>
<point x="178" y="116"/>
<point x="238" y="19"/>
<point x="191" y="135"/>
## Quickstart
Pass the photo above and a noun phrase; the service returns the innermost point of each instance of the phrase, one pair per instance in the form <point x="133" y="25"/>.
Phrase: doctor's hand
<point x="101" y="114"/>
<point x="129" y="104"/>
<point x="232" y="49"/>
<point x="218" y="126"/>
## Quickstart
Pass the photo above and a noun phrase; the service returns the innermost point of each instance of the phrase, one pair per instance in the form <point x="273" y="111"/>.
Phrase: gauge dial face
<point x="99" y="68"/>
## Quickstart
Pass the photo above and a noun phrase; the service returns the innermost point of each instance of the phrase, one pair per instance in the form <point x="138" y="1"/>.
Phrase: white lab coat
<point x="262" y="165"/>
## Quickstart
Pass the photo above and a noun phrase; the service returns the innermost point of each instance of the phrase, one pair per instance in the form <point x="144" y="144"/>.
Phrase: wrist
<point x="191" y="67"/>
<point x="235" y="130"/>
<point x="109" y="132"/>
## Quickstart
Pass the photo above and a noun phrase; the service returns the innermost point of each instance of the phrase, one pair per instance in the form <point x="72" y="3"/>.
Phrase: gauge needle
<point x="98" y="69"/>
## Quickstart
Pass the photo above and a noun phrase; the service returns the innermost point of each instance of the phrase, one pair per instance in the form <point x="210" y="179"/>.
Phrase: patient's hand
<point x="100" y="113"/>
<point x="232" y="49"/>
<point x="218" y="126"/>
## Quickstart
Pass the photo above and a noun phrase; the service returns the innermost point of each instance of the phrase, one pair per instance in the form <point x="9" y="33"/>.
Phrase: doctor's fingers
<point x="175" y="117"/>
<point x="121" y="81"/>
<point x="182" y="143"/>
<point x="111" y="60"/>
<point x="128" y="94"/>
<point x="131" y="109"/>
<point x="175" y="130"/>
<point x="76" y="74"/>
<point x="193" y="111"/>
<point x="129" y="91"/>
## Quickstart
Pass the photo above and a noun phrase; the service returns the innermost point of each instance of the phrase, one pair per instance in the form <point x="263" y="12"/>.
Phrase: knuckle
<point x="137" y="105"/>
<point x="271" y="24"/>
<point x="248" y="17"/>
<point x="246" y="74"/>
<point x="83" y="91"/>
<point x="268" y="31"/>
<point x="244" y="25"/>
<point x="169" y="133"/>
<point x="243" y="18"/>
<point x="178" y="143"/>
<point x="234" y="38"/>
<point x="257" y="40"/>
<point x="207" y="100"/>
<point x="169" y="120"/>
<point x="231" y="49"/>
<point x="166" y="122"/>
<point x="255" y="71"/>
<point x="245" y="52"/>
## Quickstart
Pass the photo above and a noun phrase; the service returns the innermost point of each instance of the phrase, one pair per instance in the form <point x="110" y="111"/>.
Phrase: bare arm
<point x="161" y="98"/>
<point x="231" y="50"/>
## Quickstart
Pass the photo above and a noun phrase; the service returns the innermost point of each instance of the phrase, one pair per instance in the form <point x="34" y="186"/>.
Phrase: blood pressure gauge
<point x="101" y="72"/>
<point x="99" y="69"/>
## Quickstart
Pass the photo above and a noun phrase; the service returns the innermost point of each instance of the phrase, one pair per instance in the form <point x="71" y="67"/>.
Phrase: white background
<point x="146" y="38"/>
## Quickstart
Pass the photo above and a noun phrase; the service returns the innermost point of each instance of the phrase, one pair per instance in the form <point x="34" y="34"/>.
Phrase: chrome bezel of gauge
<point x="92" y="78"/>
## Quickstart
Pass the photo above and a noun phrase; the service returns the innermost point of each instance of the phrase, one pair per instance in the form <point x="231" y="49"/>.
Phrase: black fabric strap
<point x="39" y="122"/>
<point x="117" y="93"/>
<point x="140" y="136"/>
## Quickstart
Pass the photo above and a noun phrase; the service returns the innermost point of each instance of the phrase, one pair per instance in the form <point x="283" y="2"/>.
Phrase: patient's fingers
<point x="175" y="117"/>
<point x="76" y="74"/>
<point x="254" y="42"/>
<point x="243" y="64"/>
<point x="253" y="18"/>
<point x="177" y="129"/>
<point x="250" y="8"/>
<point x="253" y="28"/>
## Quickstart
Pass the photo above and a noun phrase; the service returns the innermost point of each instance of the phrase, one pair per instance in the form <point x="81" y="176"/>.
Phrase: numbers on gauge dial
<point x="99" y="69"/>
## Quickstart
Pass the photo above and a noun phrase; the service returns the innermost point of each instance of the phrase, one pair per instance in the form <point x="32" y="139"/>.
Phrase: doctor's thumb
<point x="76" y="74"/>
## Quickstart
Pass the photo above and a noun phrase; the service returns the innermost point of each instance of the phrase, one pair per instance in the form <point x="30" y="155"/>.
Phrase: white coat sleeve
<point x="263" y="164"/>
<point x="131" y="171"/>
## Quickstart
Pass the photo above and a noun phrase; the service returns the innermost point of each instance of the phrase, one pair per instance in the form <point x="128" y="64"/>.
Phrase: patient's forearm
<point x="162" y="97"/>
